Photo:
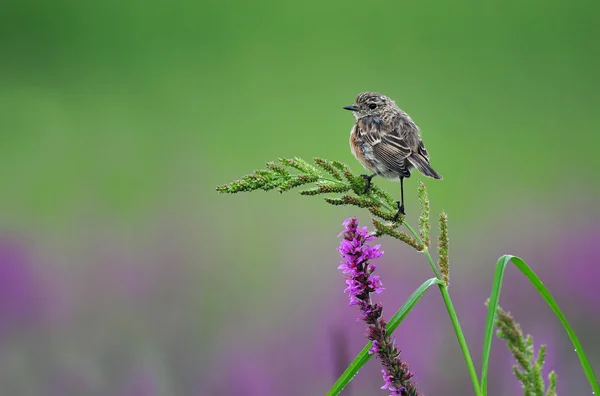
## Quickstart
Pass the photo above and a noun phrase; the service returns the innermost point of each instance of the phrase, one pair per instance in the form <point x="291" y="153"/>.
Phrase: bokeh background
<point x="123" y="272"/>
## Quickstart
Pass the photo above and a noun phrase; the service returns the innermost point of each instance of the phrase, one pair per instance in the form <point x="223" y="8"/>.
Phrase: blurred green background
<point x="123" y="272"/>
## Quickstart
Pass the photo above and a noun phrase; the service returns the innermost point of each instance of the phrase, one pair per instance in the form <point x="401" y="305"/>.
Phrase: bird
<point x="387" y="142"/>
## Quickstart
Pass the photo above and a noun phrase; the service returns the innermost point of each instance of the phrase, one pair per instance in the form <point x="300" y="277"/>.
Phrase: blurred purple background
<point x="137" y="323"/>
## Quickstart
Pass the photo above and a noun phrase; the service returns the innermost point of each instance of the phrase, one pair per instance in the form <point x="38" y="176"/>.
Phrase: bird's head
<point x="372" y="103"/>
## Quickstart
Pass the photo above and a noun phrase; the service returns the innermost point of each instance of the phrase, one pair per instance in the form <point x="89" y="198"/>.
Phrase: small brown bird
<point x="386" y="141"/>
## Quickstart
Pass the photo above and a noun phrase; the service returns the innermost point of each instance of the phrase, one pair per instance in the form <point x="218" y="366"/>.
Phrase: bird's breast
<point x="362" y="151"/>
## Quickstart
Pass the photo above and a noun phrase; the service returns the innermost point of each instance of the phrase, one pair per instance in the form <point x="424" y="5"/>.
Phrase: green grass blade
<point x="537" y="283"/>
<point x="363" y="357"/>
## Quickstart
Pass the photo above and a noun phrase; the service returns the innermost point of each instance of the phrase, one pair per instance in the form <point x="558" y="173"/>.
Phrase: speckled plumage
<point x="386" y="141"/>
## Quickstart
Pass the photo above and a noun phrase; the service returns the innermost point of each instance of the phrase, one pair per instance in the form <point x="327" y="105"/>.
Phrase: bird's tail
<point x="422" y="164"/>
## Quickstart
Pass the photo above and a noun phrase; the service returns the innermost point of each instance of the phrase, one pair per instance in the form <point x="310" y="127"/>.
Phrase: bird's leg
<point x="400" y="204"/>
<point x="368" y="181"/>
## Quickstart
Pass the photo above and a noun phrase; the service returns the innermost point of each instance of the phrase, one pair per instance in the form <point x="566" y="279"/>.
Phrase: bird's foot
<point x="367" y="182"/>
<point x="400" y="211"/>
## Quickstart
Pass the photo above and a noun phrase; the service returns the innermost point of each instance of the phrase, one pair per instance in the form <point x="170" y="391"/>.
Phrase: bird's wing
<point x="420" y="160"/>
<point x="393" y="151"/>
<point x="422" y="150"/>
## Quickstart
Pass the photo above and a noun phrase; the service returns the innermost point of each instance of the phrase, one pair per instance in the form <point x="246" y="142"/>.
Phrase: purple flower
<point x="360" y="283"/>
<point x="355" y="254"/>
<point x="373" y="348"/>
<point x="389" y="384"/>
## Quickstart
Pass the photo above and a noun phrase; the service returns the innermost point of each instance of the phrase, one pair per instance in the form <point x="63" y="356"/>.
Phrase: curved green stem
<point x="461" y="339"/>
<point x="395" y="320"/>
<point x="447" y="302"/>
<point x="453" y="317"/>
<point x="425" y="251"/>
<point x="545" y="293"/>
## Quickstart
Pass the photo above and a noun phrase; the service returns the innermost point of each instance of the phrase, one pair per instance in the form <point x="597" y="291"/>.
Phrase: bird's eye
<point x="372" y="106"/>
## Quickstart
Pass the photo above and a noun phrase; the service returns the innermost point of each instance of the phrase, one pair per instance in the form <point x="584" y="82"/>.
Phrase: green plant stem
<point x="393" y="323"/>
<point x="425" y="251"/>
<point x="461" y="338"/>
<point x="453" y="317"/>
<point x="545" y="293"/>
<point x="449" y="306"/>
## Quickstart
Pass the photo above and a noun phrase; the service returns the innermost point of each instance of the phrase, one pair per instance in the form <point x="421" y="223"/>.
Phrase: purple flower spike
<point x="360" y="283"/>
<point x="355" y="254"/>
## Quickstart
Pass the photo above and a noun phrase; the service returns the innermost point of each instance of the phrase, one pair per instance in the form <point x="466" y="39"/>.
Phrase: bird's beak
<point x="351" y="108"/>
